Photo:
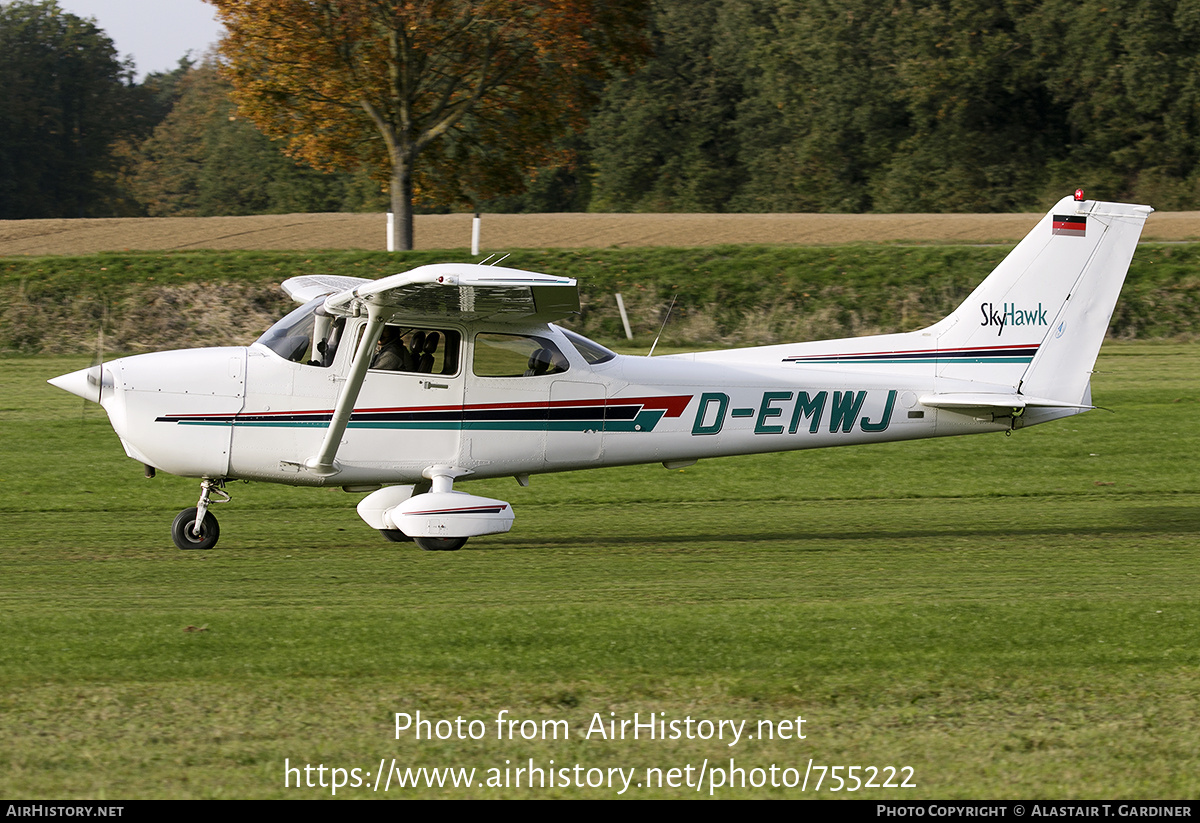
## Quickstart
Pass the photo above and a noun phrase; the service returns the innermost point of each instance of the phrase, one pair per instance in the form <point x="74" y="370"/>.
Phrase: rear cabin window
<point x="589" y="350"/>
<point x="516" y="355"/>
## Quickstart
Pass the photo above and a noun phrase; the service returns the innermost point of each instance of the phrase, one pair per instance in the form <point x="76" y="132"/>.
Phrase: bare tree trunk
<point x="400" y="188"/>
<point x="401" y="191"/>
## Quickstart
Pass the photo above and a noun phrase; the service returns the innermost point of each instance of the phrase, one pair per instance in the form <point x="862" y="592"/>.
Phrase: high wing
<point x="446" y="290"/>
<point x="311" y="286"/>
<point x="462" y="290"/>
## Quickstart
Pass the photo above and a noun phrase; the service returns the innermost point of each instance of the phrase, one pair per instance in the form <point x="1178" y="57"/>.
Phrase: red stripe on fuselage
<point x="674" y="407"/>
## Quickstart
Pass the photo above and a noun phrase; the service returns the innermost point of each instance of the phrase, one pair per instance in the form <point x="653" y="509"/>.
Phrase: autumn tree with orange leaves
<point x="442" y="100"/>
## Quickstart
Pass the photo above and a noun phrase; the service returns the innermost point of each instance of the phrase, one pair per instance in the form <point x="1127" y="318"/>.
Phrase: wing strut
<point x="322" y="463"/>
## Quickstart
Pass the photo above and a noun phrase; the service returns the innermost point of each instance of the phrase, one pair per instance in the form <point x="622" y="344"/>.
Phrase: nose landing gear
<point x="197" y="528"/>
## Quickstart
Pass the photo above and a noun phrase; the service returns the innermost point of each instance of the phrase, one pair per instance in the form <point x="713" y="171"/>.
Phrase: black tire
<point x="181" y="531"/>
<point x="395" y="535"/>
<point x="440" y="544"/>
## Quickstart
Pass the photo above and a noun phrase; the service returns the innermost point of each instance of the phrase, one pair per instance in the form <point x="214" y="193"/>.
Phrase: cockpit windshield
<point x="292" y="338"/>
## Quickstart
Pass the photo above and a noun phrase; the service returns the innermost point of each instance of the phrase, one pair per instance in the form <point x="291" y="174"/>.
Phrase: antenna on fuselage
<point x="664" y="324"/>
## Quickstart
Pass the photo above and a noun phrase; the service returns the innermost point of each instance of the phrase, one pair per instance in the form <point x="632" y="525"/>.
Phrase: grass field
<point x="1010" y="617"/>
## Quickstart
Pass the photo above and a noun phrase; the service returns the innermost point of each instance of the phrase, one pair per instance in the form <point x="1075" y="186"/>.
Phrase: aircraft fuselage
<point x="260" y="415"/>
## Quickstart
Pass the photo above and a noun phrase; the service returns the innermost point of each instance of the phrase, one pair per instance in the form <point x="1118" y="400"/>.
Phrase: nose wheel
<point x="182" y="530"/>
<point x="197" y="528"/>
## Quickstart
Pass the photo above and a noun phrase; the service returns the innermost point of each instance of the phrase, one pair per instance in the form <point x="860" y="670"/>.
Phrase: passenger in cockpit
<point x="392" y="355"/>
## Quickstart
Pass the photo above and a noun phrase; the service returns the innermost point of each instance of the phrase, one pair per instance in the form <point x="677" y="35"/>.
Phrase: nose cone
<point x="85" y="383"/>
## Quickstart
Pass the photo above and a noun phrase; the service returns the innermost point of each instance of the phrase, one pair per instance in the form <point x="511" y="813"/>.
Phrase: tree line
<point x="924" y="105"/>
<point x="79" y="137"/>
<point x="736" y="106"/>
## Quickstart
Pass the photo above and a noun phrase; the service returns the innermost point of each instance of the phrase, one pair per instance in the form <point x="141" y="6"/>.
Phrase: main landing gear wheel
<point x="185" y="523"/>
<point x="440" y="544"/>
<point x="395" y="535"/>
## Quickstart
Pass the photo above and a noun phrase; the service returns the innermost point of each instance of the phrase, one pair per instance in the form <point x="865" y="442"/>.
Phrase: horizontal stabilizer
<point x="991" y="401"/>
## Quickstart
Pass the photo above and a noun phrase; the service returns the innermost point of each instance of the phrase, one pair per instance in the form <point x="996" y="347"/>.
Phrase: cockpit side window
<point x="516" y="355"/>
<point x="420" y="351"/>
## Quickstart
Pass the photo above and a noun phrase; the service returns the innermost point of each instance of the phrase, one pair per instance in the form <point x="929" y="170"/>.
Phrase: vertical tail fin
<point x="1039" y="318"/>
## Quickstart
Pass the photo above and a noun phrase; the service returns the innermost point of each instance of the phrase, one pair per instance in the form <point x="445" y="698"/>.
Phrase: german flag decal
<point x="1072" y="224"/>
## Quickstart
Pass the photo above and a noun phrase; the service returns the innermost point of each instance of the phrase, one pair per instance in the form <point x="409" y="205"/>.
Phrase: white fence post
<point x="624" y="317"/>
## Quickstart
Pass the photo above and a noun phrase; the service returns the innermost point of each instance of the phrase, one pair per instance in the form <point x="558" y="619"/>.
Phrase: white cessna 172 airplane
<point x="404" y="385"/>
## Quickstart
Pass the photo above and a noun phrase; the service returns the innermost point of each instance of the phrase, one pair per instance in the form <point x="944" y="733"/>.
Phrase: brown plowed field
<point x="511" y="231"/>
